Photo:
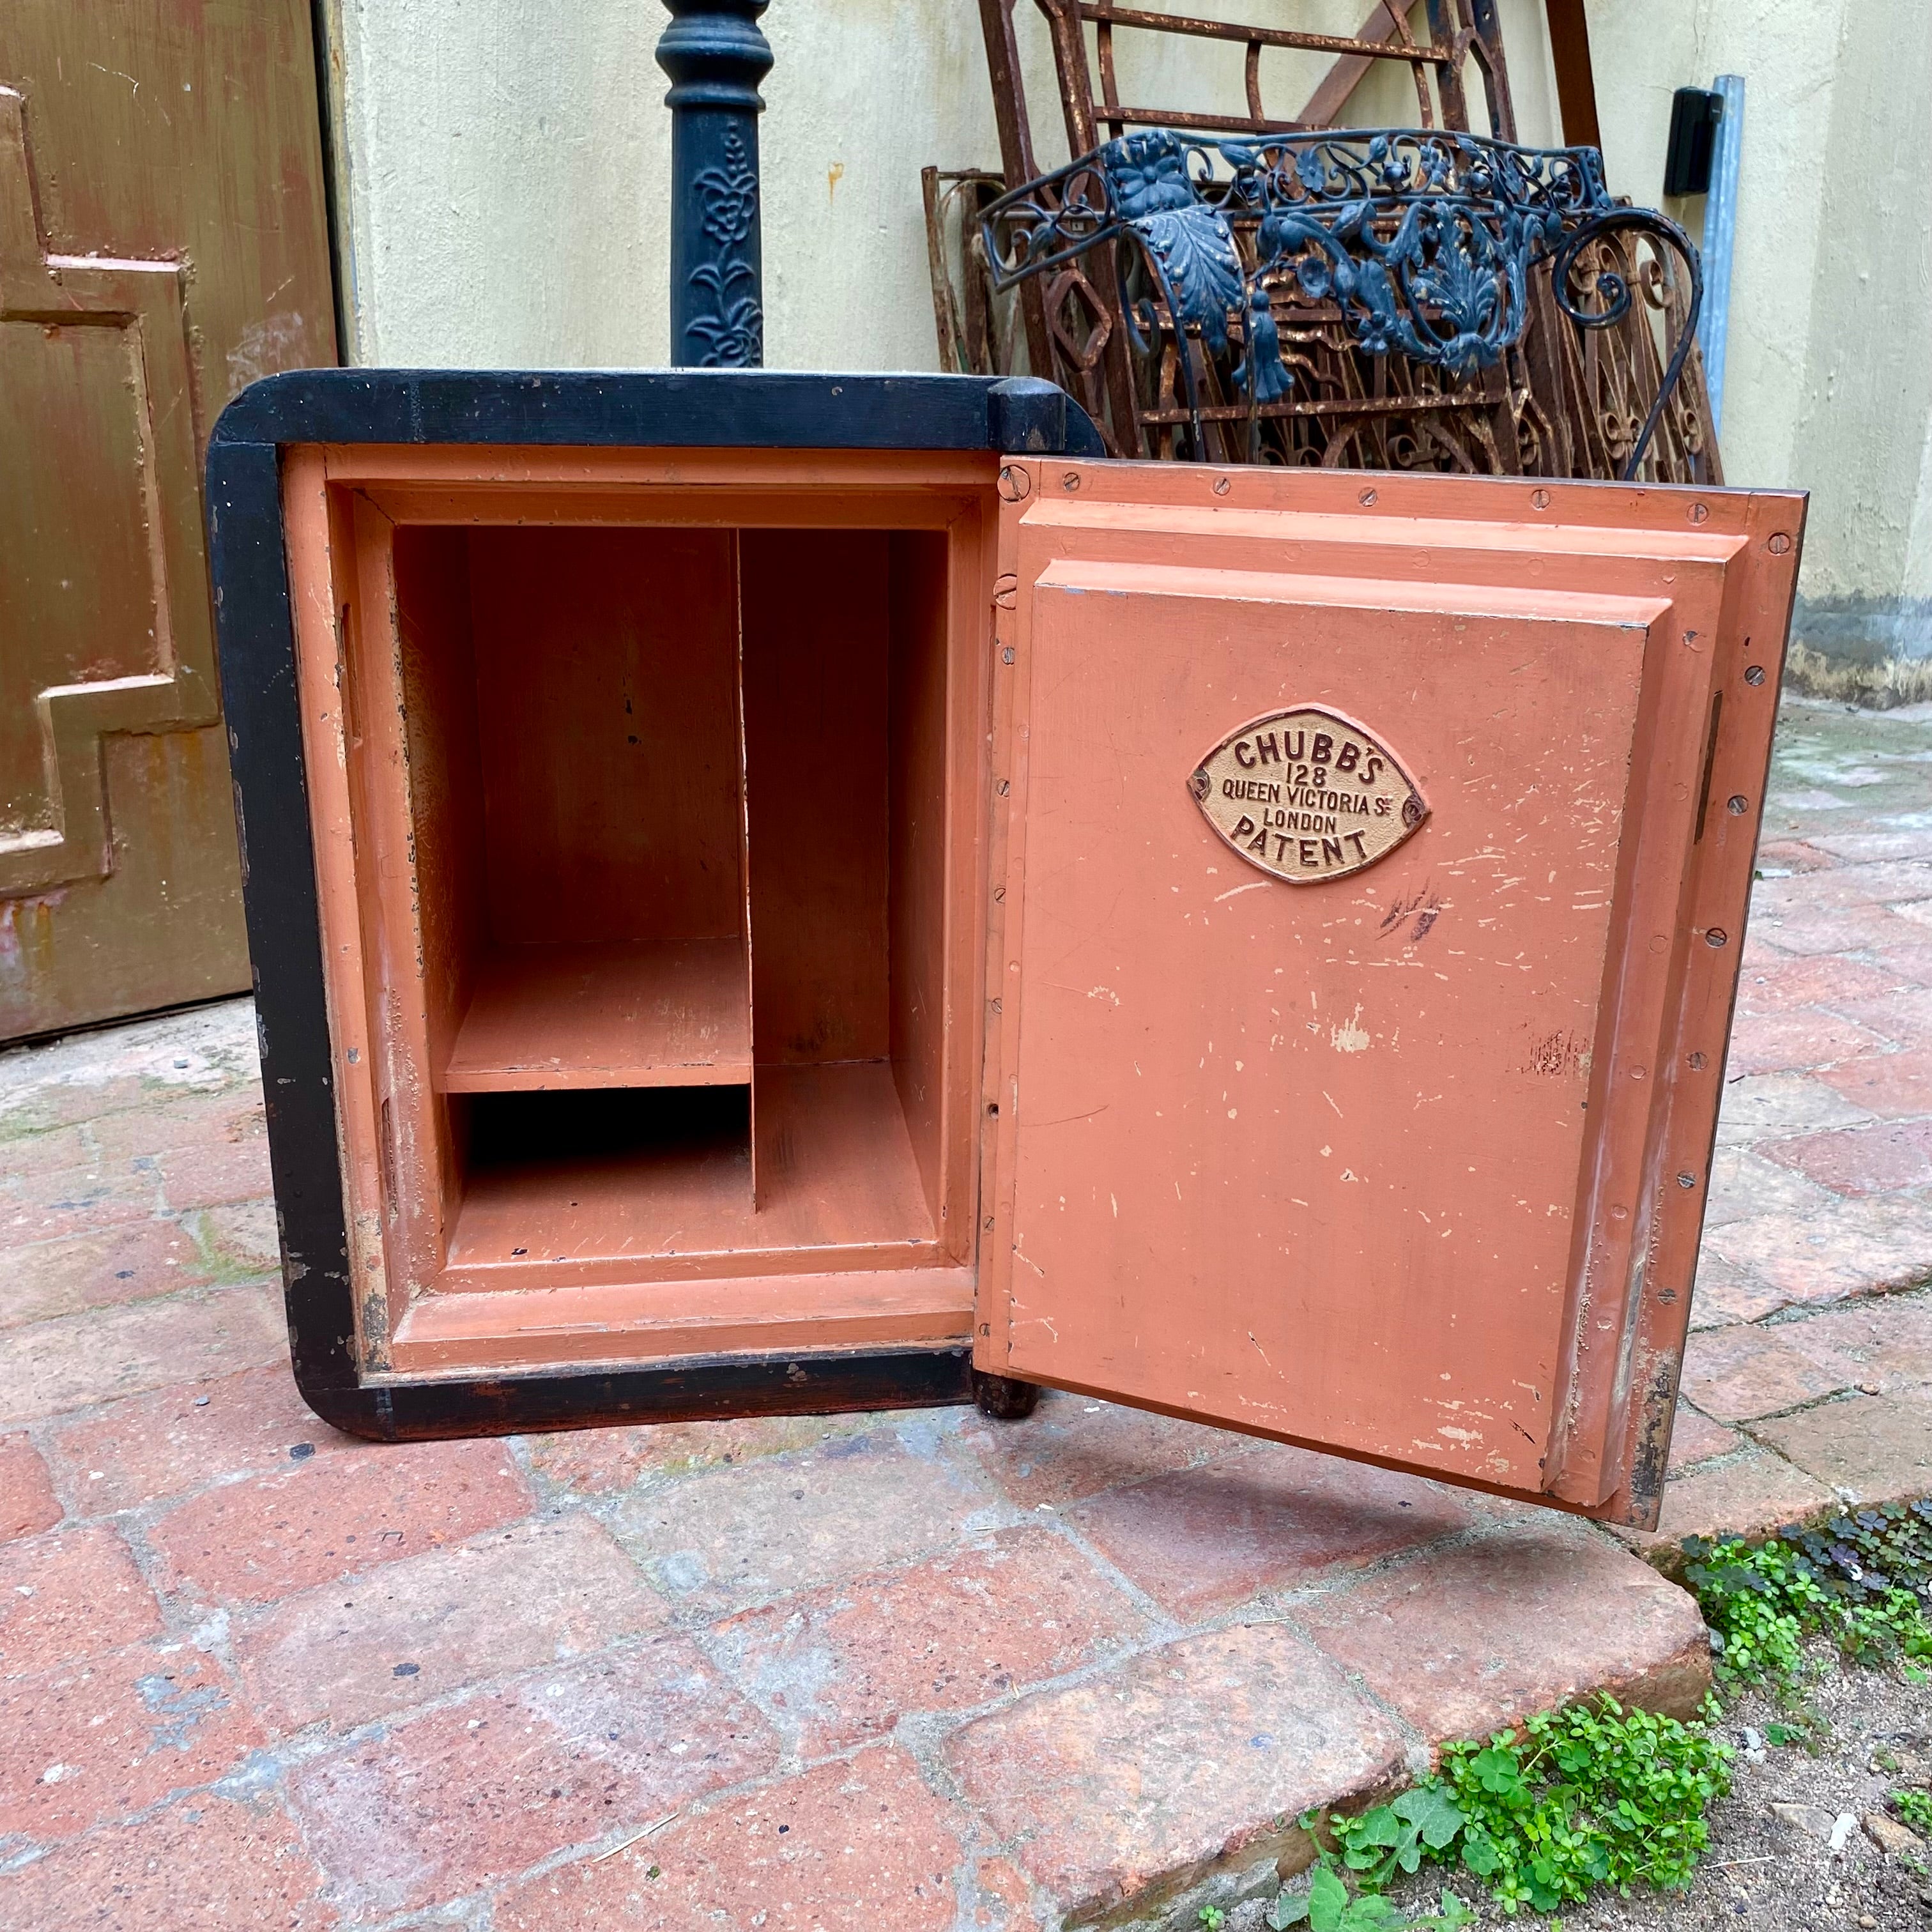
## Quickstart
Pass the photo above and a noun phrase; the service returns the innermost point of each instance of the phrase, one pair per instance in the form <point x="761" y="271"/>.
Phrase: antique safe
<point x="776" y="891"/>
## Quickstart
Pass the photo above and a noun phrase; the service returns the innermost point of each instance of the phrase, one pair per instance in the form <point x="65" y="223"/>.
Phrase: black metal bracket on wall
<point x="678" y="409"/>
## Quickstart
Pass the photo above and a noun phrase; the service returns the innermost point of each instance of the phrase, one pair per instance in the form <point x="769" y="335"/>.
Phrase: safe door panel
<point x="1351" y="1149"/>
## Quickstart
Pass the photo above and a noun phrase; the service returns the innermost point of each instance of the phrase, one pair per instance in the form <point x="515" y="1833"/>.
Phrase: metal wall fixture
<point x="1720" y="234"/>
<point x="715" y="56"/>
<point x="1424" y="242"/>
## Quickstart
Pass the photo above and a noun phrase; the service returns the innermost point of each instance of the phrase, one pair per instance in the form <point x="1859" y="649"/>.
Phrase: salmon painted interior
<point x="664" y="847"/>
<point x="646" y="837"/>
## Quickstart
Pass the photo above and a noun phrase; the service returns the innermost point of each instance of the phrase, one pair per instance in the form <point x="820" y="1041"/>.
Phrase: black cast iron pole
<point x="715" y="57"/>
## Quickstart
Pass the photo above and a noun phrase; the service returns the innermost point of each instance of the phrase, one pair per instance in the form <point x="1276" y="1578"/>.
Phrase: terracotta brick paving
<point x="1797" y="1391"/>
<point x="916" y="1671"/>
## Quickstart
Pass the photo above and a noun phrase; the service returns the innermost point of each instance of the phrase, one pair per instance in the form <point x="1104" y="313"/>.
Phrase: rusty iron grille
<point x="1595" y="372"/>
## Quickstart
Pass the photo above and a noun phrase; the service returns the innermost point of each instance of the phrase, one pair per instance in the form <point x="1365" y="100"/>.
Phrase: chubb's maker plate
<point x="1307" y="795"/>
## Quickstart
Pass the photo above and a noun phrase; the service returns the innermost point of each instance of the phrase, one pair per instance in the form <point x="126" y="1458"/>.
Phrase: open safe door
<point x="1369" y="871"/>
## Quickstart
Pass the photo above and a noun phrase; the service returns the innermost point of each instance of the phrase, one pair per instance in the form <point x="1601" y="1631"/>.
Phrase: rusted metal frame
<point x="1332" y="406"/>
<point x="1009" y="112"/>
<point x="1502" y="423"/>
<point x="1576" y="80"/>
<point x="944" y="318"/>
<point x="1016" y="155"/>
<point x="1193" y="28"/>
<point x="1398" y="33"/>
<point x="1385" y="35"/>
<point x="975" y="334"/>
<point x="1117" y="374"/>
<point x="1396" y="36"/>
<point x="1686" y="427"/>
<point x="972" y="340"/>
<point x="1621" y="300"/>
<point x="1076" y="82"/>
<point x="1487" y="47"/>
<point x="1181" y="117"/>
<point x="1103" y="55"/>
<point x="1450" y="45"/>
<point x="1069" y="60"/>
<point x="984" y="347"/>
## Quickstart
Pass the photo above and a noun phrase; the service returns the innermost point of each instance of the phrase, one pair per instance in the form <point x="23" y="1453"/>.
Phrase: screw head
<point x="1717" y="936"/>
<point x="1697" y="1062"/>
<point x="1779" y="544"/>
<point x="1754" y="674"/>
<point x="1539" y="499"/>
<point x="1367" y="499"/>
<point x="1222" y="486"/>
<point x="1687" y="1181"/>
<point x="1014" y="484"/>
<point x="1737" y="805"/>
<point x="1700" y="513"/>
<point x="1071" y="480"/>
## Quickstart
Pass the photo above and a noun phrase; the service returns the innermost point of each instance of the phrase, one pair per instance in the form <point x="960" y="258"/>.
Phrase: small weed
<point x="1914" y="1808"/>
<point x="1592" y="1795"/>
<point x="1758" y="1603"/>
<point x="1808" y="1731"/>
<point x="1860" y="1583"/>
<point x="1325" y="1905"/>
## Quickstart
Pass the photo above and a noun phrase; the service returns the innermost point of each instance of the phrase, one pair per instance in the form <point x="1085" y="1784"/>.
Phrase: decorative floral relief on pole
<point x="715" y="56"/>
<point x="734" y="329"/>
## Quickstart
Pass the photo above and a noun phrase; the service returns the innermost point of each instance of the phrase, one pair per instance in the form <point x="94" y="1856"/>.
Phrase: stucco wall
<point x="505" y="166"/>
<point x="1829" y="382"/>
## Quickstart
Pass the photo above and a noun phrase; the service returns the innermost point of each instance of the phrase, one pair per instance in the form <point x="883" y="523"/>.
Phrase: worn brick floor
<point x="921" y="1671"/>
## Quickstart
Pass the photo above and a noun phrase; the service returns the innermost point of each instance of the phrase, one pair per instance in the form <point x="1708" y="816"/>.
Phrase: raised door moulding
<point x="143" y="300"/>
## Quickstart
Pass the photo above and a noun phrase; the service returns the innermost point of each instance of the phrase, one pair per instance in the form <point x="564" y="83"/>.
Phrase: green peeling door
<point x="163" y="240"/>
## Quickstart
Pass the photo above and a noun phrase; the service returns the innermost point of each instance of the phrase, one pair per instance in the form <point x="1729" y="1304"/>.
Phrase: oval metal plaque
<point x="1307" y="795"/>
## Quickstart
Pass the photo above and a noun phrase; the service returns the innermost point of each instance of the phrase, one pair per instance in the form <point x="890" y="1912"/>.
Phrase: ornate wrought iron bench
<point x="1421" y="243"/>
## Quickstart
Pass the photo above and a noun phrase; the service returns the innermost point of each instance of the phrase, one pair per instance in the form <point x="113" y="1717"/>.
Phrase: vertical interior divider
<point x="745" y="851"/>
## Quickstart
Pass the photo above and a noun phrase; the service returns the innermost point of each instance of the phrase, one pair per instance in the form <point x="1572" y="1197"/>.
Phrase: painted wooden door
<point x="163" y="242"/>
<point x="1371" y="860"/>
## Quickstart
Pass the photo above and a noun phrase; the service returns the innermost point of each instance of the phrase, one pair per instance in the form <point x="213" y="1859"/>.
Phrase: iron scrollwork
<point x="1423" y="241"/>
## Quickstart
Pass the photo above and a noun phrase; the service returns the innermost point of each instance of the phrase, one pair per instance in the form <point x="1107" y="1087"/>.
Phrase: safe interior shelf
<point x="643" y="1178"/>
<point x="642" y="1013"/>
